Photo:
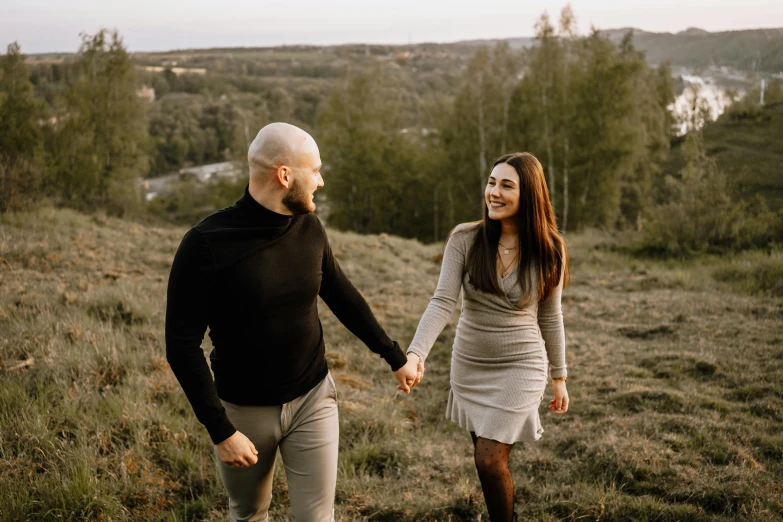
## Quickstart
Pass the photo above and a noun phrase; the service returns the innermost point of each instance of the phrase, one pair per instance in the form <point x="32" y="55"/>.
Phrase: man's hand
<point x="559" y="404"/>
<point x="237" y="451"/>
<point x="411" y="374"/>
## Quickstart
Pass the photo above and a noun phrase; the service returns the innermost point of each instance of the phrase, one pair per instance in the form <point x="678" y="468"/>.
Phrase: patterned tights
<point x="497" y="484"/>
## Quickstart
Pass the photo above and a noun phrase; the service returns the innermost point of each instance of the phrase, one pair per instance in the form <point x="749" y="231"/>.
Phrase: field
<point x="675" y="380"/>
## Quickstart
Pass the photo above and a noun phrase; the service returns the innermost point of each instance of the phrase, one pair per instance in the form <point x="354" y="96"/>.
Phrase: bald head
<point x="285" y="169"/>
<point x="278" y="145"/>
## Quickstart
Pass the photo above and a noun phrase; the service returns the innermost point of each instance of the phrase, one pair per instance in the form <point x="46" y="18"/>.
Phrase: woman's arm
<point x="444" y="300"/>
<point x="550" y="321"/>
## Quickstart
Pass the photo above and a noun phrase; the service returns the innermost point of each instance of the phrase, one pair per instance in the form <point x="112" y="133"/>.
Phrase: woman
<point x="512" y="266"/>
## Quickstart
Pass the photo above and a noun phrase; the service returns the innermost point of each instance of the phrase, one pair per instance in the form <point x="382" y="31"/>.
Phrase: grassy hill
<point x="748" y="147"/>
<point x="674" y="378"/>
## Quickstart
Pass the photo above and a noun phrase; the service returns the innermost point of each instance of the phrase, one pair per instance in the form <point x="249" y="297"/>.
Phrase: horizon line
<point x="379" y="44"/>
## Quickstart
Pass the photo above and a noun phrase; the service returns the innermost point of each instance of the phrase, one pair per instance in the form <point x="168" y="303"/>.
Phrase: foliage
<point x="378" y="177"/>
<point x="104" y="127"/>
<point x="185" y="132"/>
<point x="20" y="134"/>
<point x="701" y="216"/>
<point x="407" y="133"/>
<point x="188" y="202"/>
<point x="475" y="129"/>
<point x="746" y="144"/>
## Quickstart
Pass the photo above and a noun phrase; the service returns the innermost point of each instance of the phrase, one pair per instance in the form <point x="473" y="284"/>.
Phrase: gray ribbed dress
<point x="501" y="349"/>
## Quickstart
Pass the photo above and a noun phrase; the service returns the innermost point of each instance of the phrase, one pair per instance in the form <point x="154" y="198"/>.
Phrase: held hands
<point x="237" y="451"/>
<point x="411" y="374"/>
<point x="560" y="402"/>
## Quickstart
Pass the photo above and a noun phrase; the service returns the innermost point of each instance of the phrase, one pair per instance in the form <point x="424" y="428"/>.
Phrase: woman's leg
<point x="497" y="484"/>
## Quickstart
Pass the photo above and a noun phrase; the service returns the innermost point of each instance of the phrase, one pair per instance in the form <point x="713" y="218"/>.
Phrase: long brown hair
<point x="541" y="246"/>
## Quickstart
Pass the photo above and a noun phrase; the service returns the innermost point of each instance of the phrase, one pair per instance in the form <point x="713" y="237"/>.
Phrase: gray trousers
<point x="307" y="432"/>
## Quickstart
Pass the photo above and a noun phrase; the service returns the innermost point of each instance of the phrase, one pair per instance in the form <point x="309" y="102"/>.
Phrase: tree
<point x="376" y="179"/>
<point x="567" y="35"/>
<point x="477" y="128"/>
<point x="602" y="134"/>
<point x="545" y="75"/>
<point x="701" y="215"/>
<point x="103" y="139"/>
<point x="20" y="133"/>
<point x="651" y="122"/>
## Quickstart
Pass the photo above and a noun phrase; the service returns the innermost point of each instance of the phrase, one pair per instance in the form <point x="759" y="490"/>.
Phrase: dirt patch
<point x="632" y="332"/>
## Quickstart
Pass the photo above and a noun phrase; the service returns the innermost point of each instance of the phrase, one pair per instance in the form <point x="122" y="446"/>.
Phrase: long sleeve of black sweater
<point x="253" y="278"/>
<point x="187" y="319"/>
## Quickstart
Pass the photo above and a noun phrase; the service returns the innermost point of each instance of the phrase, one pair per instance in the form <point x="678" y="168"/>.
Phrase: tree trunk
<point x="566" y="110"/>
<point x="509" y="89"/>
<point x="482" y="136"/>
<point x="548" y="139"/>
<point x="435" y="214"/>
<point x="565" y="187"/>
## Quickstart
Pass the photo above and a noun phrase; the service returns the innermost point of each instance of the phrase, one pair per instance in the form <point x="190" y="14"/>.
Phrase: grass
<point x="754" y="276"/>
<point x="675" y="372"/>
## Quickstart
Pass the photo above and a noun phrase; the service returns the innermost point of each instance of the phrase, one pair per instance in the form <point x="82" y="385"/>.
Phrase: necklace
<point x="506" y="268"/>
<point x="507" y="250"/>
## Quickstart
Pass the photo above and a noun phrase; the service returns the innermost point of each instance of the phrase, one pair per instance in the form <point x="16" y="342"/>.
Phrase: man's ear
<point x="283" y="176"/>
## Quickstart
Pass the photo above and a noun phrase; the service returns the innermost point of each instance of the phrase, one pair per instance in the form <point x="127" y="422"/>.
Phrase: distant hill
<point x="751" y="50"/>
<point x="748" y="50"/>
<point x="514" y="43"/>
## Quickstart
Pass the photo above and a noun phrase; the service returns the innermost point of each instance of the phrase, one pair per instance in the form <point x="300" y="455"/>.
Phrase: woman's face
<point x="502" y="193"/>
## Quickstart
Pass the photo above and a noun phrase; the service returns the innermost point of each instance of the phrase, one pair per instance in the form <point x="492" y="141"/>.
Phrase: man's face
<point x="305" y="180"/>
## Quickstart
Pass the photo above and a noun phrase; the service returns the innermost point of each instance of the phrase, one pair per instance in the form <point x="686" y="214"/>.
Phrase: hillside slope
<point x="749" y="150"/>
<point x="674" y="381"/>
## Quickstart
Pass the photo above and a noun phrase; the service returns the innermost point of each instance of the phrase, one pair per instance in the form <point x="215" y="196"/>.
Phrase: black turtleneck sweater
<point x="253" y="277"/>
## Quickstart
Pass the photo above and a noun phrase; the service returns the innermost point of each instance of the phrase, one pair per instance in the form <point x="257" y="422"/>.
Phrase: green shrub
<point x="190" y="201"/>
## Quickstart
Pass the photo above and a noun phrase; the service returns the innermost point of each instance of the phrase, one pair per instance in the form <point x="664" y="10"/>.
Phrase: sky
<point x="147" y="25"/>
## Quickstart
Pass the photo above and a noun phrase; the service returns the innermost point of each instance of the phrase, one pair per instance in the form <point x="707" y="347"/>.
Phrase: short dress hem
<point x="494" y="425"/>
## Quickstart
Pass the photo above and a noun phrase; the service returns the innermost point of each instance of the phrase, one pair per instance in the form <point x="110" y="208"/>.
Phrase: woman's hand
<point x="560" y="403"/>
<point x="414" y="361"/>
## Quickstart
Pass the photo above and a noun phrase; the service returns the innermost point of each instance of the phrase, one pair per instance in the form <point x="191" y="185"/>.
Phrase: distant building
<point x="176" y="70"/>
<point x="202" y="174"/>
<point x="213" y="171"/>
<point x="49" y="121"/>
<point x="422" y="131"/>
<point x="146" y="93"/>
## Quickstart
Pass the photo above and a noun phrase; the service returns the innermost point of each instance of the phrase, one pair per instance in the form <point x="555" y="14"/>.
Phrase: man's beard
<point x="297" y="200"/>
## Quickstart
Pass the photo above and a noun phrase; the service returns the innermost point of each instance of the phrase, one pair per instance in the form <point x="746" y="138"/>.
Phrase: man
<point x="252" y="273"/>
